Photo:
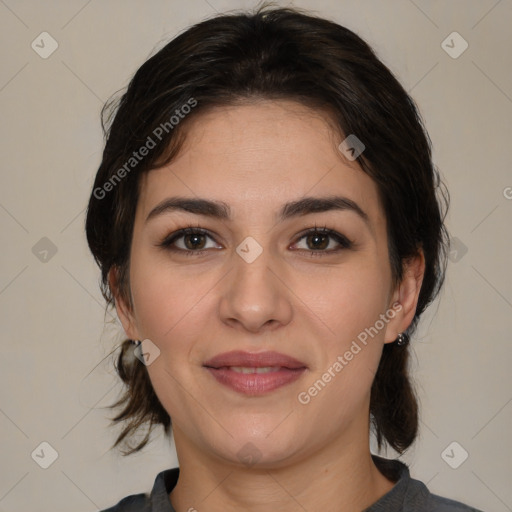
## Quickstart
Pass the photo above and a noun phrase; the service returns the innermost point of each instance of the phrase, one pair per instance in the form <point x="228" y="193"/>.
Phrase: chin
<point x="258" y="449"/>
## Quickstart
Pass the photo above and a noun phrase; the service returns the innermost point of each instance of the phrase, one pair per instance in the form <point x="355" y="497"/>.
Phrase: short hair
<point x="272" y="54"/>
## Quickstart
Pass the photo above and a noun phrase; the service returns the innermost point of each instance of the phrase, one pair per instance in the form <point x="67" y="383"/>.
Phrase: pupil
<point x="193" y="245"/>
<point x="316" y="238"/>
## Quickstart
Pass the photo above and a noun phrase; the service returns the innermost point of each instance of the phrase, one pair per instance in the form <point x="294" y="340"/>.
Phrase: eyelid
<point x="167" y="242"/>
<point x="343" y="241"/>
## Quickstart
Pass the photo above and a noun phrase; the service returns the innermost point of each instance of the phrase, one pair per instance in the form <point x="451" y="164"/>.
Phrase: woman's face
<point x="258" y="282"/>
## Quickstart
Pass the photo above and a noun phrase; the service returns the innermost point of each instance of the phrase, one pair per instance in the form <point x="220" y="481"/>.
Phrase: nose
<point x="255" y="297"/>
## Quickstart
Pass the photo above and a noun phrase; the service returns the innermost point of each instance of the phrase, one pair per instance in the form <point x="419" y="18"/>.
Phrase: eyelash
<point x="168" y="241"/>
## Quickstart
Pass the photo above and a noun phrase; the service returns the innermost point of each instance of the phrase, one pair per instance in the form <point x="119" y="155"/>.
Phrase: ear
<point x="124" y="311"/>
<point x="405" y="297"/>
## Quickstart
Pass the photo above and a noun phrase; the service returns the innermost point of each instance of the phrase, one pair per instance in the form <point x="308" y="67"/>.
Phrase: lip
<point x="255" y="383"/>
<point x="254" y="360"/>
<point x="290" y="369"/>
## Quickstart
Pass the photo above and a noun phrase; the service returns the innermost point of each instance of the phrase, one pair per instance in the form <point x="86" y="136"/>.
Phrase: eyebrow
<point x="222" y="211"/>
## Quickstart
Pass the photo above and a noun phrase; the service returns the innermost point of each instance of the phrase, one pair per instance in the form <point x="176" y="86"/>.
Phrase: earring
<point x="402" y="339"/>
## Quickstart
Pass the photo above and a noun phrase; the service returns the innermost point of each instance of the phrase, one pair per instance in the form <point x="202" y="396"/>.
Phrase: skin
<point x="255" y="157"/>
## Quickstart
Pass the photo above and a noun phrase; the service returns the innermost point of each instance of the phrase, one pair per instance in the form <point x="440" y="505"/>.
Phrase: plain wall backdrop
<point x="54" y="380"/>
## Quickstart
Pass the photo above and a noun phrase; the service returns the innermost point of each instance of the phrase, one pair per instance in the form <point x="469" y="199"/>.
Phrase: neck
<point x="347" y="481"/>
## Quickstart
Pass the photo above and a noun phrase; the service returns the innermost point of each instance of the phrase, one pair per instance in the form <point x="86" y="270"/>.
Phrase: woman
<point x="269" y="224"/>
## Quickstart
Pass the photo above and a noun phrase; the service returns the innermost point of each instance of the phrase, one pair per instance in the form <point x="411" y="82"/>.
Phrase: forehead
<point x="285" y="128"/>
<point x="258" y="156"/>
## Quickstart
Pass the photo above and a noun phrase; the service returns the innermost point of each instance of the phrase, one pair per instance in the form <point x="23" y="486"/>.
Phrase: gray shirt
<point x="408" y="494"/>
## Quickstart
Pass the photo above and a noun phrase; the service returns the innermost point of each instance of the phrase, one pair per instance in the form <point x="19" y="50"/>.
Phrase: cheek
<point x="169" y="311"/>
<point x="349" y="299"/>
<point x="165" y="298"/>
<point x="350" y="304"/>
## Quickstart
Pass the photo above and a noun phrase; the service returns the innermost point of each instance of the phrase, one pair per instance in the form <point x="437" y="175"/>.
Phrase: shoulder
<point x="440" y="504"/>
<point x="409" y="494"/>
<point x="133" y="503"/>
<point x="420" y="499"/>
<point x="157" y="501"/>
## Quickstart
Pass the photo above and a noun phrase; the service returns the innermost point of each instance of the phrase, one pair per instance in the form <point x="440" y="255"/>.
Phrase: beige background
<point x="54" y="385"/>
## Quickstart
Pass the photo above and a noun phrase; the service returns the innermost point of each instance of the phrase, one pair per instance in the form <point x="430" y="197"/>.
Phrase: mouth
<point x="263" y="369"/>
<point x="255" y="373"/>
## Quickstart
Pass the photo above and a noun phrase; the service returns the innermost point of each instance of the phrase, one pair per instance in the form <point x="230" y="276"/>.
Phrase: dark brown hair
<point x="272" y="53"/>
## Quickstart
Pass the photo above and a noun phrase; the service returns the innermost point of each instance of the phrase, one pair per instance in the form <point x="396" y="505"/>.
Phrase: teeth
<point x="264" y="369"/>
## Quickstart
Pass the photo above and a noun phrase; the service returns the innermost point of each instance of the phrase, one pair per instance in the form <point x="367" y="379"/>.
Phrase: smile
<point x="255" y="381"/>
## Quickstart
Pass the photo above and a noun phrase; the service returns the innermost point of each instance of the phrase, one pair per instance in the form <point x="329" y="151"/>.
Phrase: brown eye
<point x="188" y="240"/>
<point x="319" y="240"/>
<point x="194" y="241"/>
